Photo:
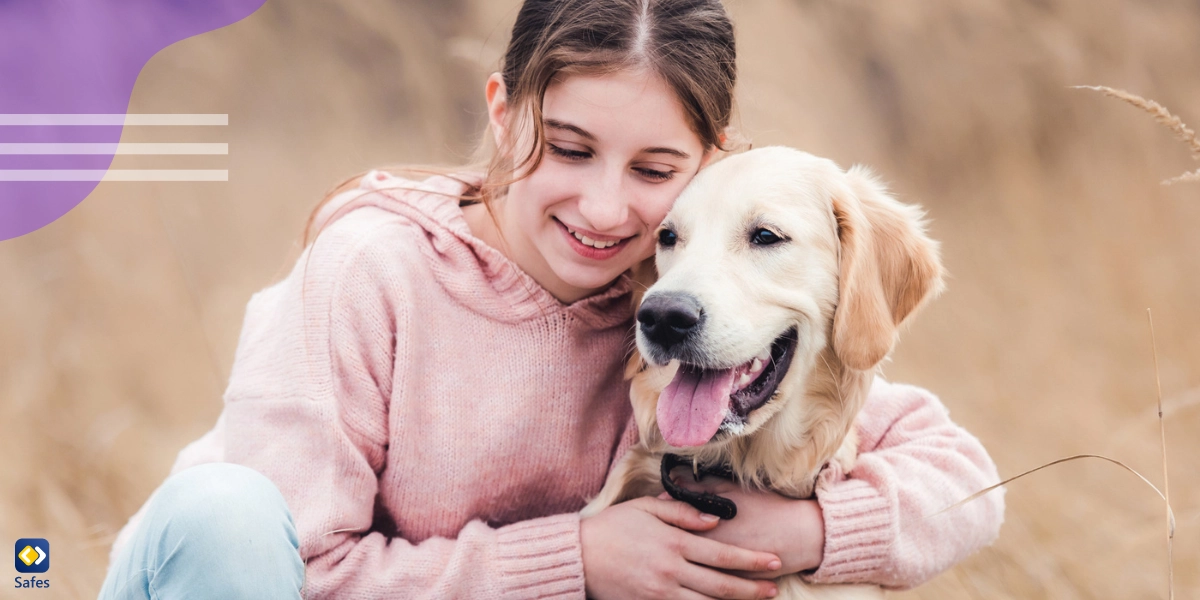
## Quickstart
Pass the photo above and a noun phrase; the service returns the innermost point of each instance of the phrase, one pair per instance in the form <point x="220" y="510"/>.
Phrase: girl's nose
<point x="603" y="201"/>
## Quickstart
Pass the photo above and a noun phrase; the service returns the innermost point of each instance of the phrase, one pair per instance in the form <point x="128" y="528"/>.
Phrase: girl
<point x="425" y="403"/>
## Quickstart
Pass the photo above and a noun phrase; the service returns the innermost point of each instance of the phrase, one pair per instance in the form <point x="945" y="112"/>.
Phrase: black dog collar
<point x="703" y="501"/>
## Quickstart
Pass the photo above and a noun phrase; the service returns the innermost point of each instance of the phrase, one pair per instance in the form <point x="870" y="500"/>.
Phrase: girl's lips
<point x="589" y="251"/>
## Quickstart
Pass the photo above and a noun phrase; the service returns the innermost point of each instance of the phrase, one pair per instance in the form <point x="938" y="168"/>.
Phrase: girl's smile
<point x="592" y="245"/>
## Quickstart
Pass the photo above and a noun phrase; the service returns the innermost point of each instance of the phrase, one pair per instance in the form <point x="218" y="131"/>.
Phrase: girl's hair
<point x="688" y="43"/>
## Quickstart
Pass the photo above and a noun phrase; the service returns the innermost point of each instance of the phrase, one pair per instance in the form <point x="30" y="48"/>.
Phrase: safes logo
<point x="33" y="555"/>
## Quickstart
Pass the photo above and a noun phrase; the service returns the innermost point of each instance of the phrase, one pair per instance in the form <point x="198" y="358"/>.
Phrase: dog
<point x="783" y="281"/>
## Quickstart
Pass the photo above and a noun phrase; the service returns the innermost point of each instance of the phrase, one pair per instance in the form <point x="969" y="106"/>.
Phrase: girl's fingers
<point x="724" y="556"/>
<point x="714" y="584"/>
<point x="679" y="514"/>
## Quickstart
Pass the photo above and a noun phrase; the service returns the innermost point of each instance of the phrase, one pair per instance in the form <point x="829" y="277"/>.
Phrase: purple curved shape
<point x="81" y="57"/>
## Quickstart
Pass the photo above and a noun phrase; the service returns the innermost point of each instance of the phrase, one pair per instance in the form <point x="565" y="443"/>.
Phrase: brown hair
<point x="689" y="43"/>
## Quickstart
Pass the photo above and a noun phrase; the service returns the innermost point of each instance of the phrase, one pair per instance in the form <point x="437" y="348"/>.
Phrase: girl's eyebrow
<point x="556" y="124"/>
<point x="673" y="152"/>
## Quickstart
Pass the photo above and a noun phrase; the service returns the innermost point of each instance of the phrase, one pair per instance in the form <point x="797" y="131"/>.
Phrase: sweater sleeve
<point x="880" y="521"/>
<point x="308" y="406"/>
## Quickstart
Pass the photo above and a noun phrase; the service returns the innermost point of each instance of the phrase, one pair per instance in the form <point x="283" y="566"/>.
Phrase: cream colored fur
<point x="856" y="264"/>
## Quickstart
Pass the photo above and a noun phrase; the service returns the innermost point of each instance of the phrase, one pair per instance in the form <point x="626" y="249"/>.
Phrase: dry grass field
<point x="118" y="322"/>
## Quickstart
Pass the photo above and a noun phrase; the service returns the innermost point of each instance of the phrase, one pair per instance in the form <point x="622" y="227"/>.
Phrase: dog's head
<point x="766" y="260"/>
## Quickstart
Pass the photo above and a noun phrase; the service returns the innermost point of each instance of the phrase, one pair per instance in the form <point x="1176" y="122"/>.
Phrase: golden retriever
<point x="783" y="281"/>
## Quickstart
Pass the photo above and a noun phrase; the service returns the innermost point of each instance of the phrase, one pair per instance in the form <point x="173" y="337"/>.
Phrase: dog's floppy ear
<point x="888" y="269"/>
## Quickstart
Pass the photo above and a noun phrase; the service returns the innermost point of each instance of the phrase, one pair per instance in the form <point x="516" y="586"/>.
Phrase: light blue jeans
<point x="215" y="530"/>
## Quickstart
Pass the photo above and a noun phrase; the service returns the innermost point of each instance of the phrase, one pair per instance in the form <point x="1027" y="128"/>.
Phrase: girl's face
<point x="618" y="152"/>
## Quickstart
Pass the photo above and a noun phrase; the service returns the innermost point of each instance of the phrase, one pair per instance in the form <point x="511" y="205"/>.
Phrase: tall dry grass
<point x="1163" y="116"/>
<point x="120" y="320"/>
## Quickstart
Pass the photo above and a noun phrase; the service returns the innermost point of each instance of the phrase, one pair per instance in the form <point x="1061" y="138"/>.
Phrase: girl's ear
<point x="497" y="102"/>
<point x="888" y="269"/>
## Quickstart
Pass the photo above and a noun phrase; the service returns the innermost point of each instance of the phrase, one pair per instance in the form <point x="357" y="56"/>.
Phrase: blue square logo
<point x="32" y="555"/>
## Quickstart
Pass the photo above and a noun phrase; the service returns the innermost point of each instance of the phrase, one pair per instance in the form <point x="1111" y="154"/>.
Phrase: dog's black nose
<point x="669" y="318"/>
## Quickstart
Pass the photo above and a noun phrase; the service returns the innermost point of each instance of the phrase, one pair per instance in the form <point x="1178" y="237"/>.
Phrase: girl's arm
<point x="880" y="524"/>
<point x="308" y="406"/>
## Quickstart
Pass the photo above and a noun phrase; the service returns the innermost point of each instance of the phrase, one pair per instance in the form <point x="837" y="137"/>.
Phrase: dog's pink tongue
<point x="691" y="408"/>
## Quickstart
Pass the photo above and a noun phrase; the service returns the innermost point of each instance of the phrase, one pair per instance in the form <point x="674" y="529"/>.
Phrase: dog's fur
<point x="854" y="265"/>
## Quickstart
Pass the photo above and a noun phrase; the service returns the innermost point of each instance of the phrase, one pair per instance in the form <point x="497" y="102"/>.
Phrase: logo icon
<point x="32" y="555"/>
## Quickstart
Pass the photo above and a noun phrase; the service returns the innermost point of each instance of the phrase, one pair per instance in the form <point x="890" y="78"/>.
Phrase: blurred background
<point x="118" y="322"/>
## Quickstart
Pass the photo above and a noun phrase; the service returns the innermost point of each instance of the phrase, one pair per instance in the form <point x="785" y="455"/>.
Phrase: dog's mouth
<point x="700" y="402"/>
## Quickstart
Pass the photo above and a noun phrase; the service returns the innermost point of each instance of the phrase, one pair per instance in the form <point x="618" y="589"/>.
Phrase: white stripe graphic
<point x="115" y="119"/>
<point x="121" y="148"/>
<point x="114" y="175"/>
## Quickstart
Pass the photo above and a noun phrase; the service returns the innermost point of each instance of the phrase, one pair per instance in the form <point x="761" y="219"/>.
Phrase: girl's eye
<point x="567" y="153"/>
<point x="654" y="174"/>
<point x="666" y="237"/>
<point x="764" y="237"/>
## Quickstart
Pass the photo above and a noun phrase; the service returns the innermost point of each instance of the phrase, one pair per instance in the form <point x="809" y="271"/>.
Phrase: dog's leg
<point x="614" y="487"/>
<point x="634" y="476"/>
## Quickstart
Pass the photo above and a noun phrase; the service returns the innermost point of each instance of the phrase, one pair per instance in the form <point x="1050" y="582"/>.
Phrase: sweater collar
<point x="474" y="273"/>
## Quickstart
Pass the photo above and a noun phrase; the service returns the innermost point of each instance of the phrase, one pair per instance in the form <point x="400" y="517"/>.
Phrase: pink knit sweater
<point x="435" y="419"/>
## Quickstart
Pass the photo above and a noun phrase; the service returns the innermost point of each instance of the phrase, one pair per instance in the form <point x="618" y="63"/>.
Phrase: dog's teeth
<point x="755" y="365"/>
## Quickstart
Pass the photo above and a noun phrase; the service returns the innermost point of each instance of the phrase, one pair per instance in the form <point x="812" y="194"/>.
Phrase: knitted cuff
<point x="541" y="558"/>
<point x="859" y="530"/>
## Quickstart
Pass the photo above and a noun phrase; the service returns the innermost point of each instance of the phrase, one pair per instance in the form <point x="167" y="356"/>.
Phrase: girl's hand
<point x="793" y="530"/>
<point x="642" y="549"/>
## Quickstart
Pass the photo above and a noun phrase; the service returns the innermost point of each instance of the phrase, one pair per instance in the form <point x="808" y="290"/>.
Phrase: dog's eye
<point x="764" y="237"/>
<point x="666" y="237"/>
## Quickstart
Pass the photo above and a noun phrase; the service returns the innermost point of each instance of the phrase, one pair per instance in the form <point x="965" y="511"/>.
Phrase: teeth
<point x="587" y="241"/>
<point x="749" y="374"/>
